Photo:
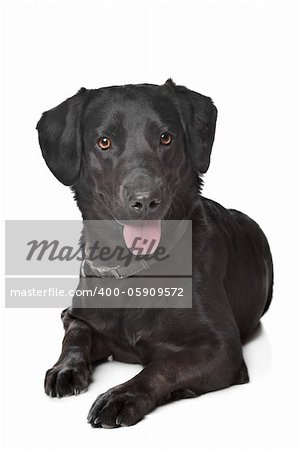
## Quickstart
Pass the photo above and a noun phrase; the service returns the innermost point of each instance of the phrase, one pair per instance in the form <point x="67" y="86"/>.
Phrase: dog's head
<point x="130" y="152"/>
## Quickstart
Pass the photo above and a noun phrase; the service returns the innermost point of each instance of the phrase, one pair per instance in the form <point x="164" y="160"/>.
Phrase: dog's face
<point x="130" y="152"/>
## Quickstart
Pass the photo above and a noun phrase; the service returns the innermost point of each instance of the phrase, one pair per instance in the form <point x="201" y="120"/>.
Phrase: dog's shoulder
<point x="214" y="212"/>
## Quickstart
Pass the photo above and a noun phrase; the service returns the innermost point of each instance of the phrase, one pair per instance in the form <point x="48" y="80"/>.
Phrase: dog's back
<point x="249" y="269"/>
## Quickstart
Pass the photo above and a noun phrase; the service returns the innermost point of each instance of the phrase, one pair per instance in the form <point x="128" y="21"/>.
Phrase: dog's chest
<point x="137" y="336"/>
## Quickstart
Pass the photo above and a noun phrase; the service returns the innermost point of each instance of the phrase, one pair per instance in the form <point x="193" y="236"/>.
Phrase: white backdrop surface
<point x="244" y="54"/>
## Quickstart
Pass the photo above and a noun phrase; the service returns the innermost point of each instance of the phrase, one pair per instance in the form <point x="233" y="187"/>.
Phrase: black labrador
<point x="137" y="152"/>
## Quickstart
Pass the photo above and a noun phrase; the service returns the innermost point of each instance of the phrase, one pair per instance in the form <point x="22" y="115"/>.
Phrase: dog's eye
<point x="104" y="143"/>
<point x="165" y="138"/>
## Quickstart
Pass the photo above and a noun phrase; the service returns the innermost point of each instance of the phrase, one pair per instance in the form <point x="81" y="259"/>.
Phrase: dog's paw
<point x="62" y="380"/>
<point x="119" y="406"/>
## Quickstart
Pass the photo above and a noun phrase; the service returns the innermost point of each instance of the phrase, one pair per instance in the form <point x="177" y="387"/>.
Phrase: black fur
<point x="186" y="352"/>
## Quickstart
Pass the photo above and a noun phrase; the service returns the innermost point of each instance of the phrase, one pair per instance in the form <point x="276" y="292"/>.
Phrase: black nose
<point x="144" y="201"/>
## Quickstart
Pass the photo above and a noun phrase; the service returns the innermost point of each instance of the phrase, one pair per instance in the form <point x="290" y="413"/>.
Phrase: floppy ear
<point x="198" y="117"/>
<point x="60" y="139"/>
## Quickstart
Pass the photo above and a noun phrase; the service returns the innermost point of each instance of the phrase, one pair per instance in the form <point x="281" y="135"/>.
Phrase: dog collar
<point x="88" y="269"/>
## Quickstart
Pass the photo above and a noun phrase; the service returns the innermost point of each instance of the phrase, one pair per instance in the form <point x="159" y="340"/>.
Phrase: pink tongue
<point x="142" y="237"/>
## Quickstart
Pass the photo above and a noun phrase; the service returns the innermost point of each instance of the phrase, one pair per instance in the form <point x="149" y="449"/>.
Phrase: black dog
<point x="137" y="152"/>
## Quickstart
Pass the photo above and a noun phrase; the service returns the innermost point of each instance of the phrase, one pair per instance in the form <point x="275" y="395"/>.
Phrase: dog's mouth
<point x="141" y="237"/>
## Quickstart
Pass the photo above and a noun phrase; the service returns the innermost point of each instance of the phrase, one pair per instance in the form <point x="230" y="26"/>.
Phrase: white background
<point x="244" y="54"/>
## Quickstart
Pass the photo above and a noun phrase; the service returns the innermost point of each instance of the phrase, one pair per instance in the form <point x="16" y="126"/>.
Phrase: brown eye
<point x="104" y="143"/>
<point x="165" y="138"/>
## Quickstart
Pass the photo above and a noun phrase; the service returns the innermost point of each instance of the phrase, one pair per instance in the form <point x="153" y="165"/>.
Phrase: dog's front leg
<point x="186" y="373"/>
<point x="72" y="372"/>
